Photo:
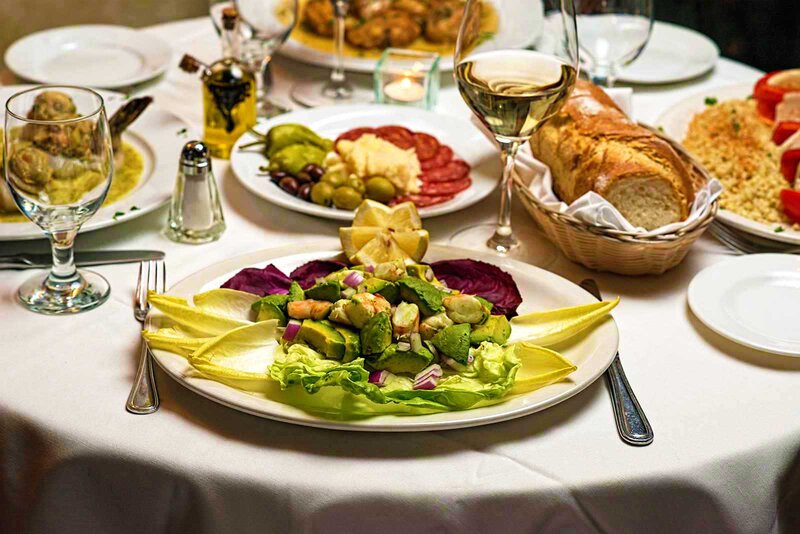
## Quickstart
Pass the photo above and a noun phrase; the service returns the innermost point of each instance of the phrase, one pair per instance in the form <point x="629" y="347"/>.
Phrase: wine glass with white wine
<point x="513" y="86"/>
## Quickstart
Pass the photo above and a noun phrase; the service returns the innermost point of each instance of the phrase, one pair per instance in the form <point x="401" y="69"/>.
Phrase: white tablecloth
<point x="726" y="418"/>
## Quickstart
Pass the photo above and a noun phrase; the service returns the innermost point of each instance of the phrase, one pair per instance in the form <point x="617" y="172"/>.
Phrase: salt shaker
<point x="195" y="213"/>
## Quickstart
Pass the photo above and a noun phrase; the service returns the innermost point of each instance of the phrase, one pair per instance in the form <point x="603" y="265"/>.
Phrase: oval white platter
<point x="675" y="122"/>
<point x="540" y="289"/>
<point x="158" y="136"/>
<point x="467" y="142"/>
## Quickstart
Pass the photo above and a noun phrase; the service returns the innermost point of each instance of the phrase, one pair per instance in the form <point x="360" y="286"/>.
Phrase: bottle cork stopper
<point x="229" y="17"/>
<point x="189" y="64"/>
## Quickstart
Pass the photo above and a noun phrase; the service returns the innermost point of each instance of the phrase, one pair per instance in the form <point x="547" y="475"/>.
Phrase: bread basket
<point x="605" y="249"/>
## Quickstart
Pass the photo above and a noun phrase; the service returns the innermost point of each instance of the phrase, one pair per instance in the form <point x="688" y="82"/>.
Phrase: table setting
<point x="446" y="266"/>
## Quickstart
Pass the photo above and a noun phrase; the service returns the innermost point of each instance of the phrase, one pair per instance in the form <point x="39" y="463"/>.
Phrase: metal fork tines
<point x="143" y="398"/>
<point x="746" y="244"/>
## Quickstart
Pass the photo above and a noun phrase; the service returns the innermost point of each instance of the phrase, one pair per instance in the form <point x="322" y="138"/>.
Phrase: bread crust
<point x="591" y="145"/>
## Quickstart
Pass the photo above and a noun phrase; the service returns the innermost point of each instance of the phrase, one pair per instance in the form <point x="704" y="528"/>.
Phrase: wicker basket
<point x="604" y="249"/>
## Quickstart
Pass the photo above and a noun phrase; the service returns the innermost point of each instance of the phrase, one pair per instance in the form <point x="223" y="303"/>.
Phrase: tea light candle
<point x="405" y="90"/>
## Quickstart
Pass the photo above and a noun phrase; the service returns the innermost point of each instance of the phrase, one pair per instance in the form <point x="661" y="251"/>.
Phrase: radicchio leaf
<point x="307" y="274"/>
<point x="267" y="281"/>
<point x="482" y="279"/>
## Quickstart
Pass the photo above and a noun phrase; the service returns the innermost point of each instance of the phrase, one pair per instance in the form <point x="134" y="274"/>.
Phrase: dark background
<point x="761" y="33"/>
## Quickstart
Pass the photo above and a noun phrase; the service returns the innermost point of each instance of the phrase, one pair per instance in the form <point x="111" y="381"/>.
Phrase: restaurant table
<point x="726" y="418"/>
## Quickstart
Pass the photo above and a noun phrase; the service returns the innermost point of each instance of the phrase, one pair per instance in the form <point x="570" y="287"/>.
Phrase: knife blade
<point x="82" y="258"/>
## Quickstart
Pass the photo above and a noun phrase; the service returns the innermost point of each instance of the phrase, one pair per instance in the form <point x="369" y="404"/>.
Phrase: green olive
<point x="346" y="198"/>
<point x="357" y="184"/>
<point x="322" y="193"/>
<point x="336" y="179"/>
<point x="380" y="189"/>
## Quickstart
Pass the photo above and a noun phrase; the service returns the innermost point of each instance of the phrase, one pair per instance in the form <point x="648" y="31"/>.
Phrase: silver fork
<point x="747" y="245"/>
<point x="143" y="398"/>
<point x="632" y="424"/>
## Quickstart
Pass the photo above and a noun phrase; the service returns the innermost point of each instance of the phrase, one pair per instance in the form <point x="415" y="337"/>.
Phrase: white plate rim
<point x="19" y="62"/>
<point x="699" y="305"/>
<point x="483" y="183"/>
<point x="607" y="334"/>
<point x="161" y="153"/>
<point x="712" y="49"/>
<point x="675" y="122"/>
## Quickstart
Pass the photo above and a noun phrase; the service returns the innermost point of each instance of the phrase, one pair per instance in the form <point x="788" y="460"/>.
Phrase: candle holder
<point x="407" y="78"/>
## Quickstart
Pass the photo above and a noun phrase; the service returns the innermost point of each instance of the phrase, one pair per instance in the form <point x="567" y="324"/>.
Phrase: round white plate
<point x="673" y="54"/>
<point x="751" y="300"/>
<point x="519" y="26"/>
<point x="675" y="122"/>
<point x="157" y="134"/>
<point x="100" y="55"/>
<point x="540" y="289"/>
<point x="467" y="142"/>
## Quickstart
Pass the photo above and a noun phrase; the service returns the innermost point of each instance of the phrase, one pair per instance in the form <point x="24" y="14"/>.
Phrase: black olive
<point x="277" y="176"/>
<point x="304" y="192"/>
<point x="289" y="185"/>
<point x="303" y="177"/>
<point x="314" y="170"/>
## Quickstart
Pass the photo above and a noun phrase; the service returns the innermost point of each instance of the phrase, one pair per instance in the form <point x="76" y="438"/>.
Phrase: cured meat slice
<point x="397" y="135"/>
<point x="454" y="170"/>
<point x="422" y="200"/>
<point x="440" y="159"/>
<point x="446" y="188"/>
<point x="355" y="133"/>
<point x="425" y="145"/>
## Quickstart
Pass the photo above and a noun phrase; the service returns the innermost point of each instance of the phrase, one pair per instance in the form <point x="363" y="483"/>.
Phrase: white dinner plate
<point x="751" y="300"/>
<point x="158" y="136"/>
<point x="518" y="26"/>
<point x="675" y="122"/>
<point x="98" y="55"/>
<point x="591" y="353"/>
<point x="467" y="142"/>
<point x="673" y="54"/>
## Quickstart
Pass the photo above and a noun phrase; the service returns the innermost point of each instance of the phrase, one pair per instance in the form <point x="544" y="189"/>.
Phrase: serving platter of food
<point x="146" y="140"/>
<point x="408" y="344"/>
<point x="739" y="139"/>
<point x="325" y="161"/>
<point x="425" y="25"/>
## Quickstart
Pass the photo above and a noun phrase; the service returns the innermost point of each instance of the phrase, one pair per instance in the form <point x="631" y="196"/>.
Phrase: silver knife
<point x="632" y="424"/>
<point x="82" y="258"/>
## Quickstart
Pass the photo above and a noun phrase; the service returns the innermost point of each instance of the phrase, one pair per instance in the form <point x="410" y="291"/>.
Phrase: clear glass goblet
<point x="58" y="164"/>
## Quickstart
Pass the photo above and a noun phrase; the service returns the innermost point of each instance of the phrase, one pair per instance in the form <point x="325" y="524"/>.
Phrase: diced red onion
<point x="403" y="346"/>
<point x="348" y="292"/>
<point x="460" y="367"/>
<point x="428" y="377"/>
<point x="427" y="383"/>
<point x="353" y="279"/>
<point x="470" y="359"/>
<point x="433" y="370"/>
<point x="378" y="377"/>
<point x="416" y="342"/>
<point x="291" y="330"/>
<point x="370" y="268"/>
<point x="429" y="274"/>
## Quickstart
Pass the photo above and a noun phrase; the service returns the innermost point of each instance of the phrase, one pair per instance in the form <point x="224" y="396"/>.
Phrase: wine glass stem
<point x="503" y="239"/>
<point x="337" y="85"/>
<point x="603" y="76"/>
<point x="63" y="277"/>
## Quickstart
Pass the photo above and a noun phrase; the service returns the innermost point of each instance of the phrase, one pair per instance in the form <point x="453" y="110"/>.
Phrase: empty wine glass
<point x="613" y="33"/>
<point x="513" y="85"/>
<point x="58" y="164"/>
<point x="335" y="89"/>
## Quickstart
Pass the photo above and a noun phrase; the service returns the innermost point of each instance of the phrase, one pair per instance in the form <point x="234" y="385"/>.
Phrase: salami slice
<point x="422" y="200"/>
<point x="397" y="135"/>
<point x="454" y="170"/>
<point x="355" y="133"/>
<point x="425" y="145"/>
<point x="442" y="158"/>
<point x="446" y="188"/>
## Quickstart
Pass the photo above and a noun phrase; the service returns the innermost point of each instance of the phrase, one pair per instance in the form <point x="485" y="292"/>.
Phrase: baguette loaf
<point x="592" y="146"/>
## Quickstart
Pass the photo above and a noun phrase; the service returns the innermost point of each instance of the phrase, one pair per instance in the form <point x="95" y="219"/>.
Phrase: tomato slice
<point x="791" y="204"/>
<point x="789" y="163"/>
<point x="784" y="130"/>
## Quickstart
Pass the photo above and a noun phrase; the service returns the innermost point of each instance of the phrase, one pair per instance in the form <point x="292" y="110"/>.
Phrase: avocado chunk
<point x="352" y="343"/>
<point x="489" y="305"/>
<point x="396" y="361"/>
<point x="465" y="309"/>
<point x="376" y="334"/>
<point x="296" y="292"/>
<point x="421" y="293"/>
<point x="378" y="286"/>
<point x="453" y="341"/>
<point x="422" y="271"/>
<point x="496" y="329"/>
<point x="363" y="306"/>
<point x="430" y="325"/>
<point x="330" y="291"/>
<point x="323" y="337"/>
<point x="391" y="271"/>
<point x="268" y="310"/>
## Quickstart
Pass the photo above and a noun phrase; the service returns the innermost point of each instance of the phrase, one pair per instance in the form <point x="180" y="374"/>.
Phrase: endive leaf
<point x="227" y="302"/>
<point x="174" y="340"/>
<point x="244" y="353"/>
<point x="550" y="327"/>
<point x="540" y="367"/>
<point x="194" y="319"/>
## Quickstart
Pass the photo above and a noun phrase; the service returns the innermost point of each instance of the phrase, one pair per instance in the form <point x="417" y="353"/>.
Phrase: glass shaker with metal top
<point x="195" y="213"/>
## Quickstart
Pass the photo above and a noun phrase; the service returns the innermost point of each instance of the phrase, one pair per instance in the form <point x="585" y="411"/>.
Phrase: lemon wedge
<point x="380" y="234"/>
